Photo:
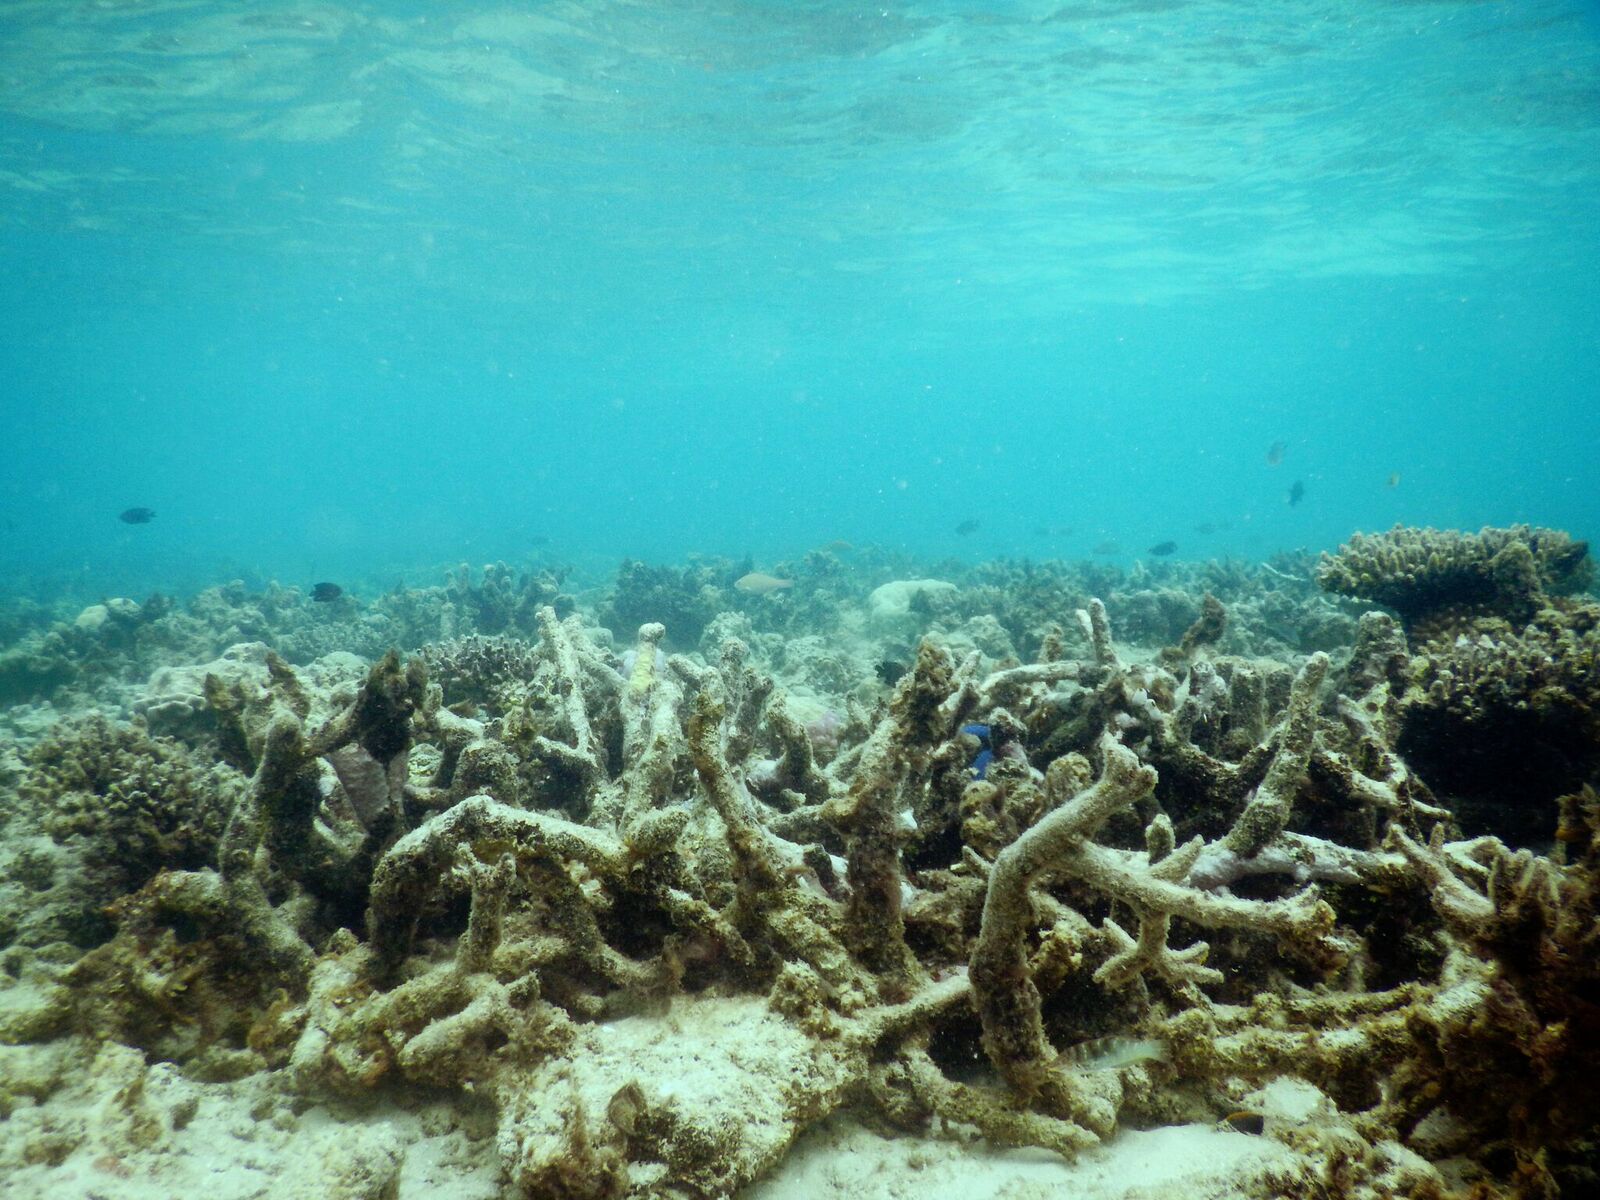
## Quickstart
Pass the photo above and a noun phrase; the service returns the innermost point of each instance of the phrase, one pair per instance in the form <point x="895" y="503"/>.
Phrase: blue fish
<point x="979" y="766"/>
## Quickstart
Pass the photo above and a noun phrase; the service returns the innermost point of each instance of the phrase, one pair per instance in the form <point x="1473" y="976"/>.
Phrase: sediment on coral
<point x="519" y="871"/>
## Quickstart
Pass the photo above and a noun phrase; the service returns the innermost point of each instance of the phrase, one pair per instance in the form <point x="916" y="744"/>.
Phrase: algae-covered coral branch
<point x="1061" y="845"/>
<point x="1007" y="1002"/>
<point x="894" y="765"/>
<point x="408" y="874"/>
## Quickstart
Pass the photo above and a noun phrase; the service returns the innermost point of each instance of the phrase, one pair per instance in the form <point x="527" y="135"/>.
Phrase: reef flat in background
<point x="543" y="893"/>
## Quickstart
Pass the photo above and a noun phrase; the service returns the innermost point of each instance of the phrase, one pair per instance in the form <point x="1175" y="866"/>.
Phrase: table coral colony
<point x="625" y="902"/>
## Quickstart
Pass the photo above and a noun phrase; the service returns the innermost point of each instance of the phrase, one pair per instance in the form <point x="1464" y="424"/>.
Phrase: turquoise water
<point x="342" y="290"/>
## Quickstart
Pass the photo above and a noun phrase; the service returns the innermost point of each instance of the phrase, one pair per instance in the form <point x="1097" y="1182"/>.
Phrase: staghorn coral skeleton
<point x="660" y="852"/>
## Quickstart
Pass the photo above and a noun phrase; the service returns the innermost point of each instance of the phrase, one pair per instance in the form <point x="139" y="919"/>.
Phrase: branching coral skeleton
<point x="635" y="842"/>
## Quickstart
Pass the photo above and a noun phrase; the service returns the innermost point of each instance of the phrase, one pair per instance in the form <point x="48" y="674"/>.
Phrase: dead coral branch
<point x="1005" y="996"/>
<point x="1061" y="846"/>
<point x="409" y="874"/>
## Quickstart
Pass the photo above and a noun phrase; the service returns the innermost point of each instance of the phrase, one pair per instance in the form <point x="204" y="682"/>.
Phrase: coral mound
<point x="1429" y="575"/>
<point x="1499" y="702"/>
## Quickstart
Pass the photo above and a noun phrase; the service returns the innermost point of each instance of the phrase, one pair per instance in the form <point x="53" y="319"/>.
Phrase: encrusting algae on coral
<point x="1181" y="877"/>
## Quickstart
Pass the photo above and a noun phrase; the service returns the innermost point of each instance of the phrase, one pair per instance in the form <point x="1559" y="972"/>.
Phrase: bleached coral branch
<point x="568" y="692"/>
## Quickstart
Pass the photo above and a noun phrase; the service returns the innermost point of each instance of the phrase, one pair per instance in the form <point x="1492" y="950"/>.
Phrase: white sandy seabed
<point x="87" y="1122"/>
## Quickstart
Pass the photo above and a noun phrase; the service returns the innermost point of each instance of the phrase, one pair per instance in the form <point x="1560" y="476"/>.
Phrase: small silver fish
<point x="1113" y="1053"/>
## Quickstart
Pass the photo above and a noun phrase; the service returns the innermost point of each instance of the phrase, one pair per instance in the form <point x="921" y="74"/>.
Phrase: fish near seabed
<point x="326" y="593"/>
<point x="1245" y="1121"/>
<point x="1297" y="493"/>
<point x="758" y="583"/>
<point x="1113" y="1053"/>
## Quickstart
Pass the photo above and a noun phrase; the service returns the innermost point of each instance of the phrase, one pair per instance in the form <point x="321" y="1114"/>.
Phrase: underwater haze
<point x="342" y="290"/>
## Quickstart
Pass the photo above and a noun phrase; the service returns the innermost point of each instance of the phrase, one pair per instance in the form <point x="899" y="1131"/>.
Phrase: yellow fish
<point x="760" y="584"/>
